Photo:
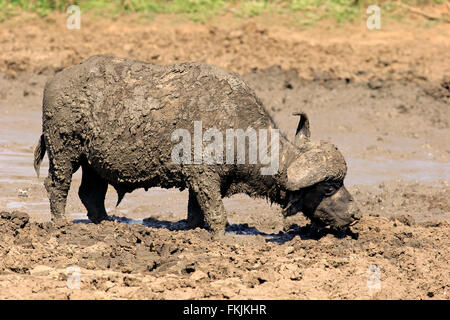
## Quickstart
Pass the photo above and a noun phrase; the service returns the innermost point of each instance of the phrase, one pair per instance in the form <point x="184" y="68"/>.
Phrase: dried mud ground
<point x="383" y="99"/>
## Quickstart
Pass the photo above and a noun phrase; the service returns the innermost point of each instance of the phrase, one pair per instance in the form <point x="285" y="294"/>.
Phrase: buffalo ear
<point x="302" y="134"/>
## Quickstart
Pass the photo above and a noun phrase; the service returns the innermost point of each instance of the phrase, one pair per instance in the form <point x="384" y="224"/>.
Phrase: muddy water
<point x="21" y="189"/>
<point x="362" y="171"/>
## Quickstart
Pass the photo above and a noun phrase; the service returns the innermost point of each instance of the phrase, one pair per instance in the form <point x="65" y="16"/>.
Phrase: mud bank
<point x="117" y="260"/>
<point x="351" y="52"/>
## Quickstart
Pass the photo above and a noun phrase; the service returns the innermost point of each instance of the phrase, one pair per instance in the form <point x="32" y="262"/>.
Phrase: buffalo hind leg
<point x="196" y="217"/>
<point x="57" y="184"/>
<point x="92" y="193"/>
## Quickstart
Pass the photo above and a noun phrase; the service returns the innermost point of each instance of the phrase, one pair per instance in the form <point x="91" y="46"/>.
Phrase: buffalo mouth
<point x="319" y="217"/>
<point x="291" y="208"/>
<point x="335" y="223"/>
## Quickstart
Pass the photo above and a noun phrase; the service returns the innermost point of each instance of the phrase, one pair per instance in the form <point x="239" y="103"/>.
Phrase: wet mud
<point x="118" y="260"/>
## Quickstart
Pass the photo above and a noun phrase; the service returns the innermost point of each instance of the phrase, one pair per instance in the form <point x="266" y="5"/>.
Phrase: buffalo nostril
<point x="356" y="216"/>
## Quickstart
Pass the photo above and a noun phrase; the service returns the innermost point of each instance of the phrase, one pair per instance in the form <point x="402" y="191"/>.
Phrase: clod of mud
<point x="17" y="218"/>
<point x="407" y="220"/>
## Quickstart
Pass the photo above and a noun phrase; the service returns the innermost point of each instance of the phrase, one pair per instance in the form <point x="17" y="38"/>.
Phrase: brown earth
<point x="117" y="260"/>
<point x="382" y="97"/>
<point x="398" y="51"/>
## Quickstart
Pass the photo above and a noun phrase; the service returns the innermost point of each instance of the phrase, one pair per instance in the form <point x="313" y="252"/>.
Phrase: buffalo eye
<point x="329" y="190"/>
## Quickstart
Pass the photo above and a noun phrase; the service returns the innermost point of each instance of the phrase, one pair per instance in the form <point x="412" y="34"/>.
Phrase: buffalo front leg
<point x="92" y="193"/>
<point x="196" y="217"/>
<point x="206" y="190"/>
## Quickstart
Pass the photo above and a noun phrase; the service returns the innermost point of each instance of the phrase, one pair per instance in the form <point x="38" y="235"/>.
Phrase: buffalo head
<point x="315" y="177"/>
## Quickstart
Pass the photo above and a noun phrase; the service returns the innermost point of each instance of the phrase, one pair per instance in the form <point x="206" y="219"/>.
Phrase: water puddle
<point x="19" y="133"/>
<point x="14" y="205"/>
<point x="18" y="166"/>
<point x="242" y="229"/>
<point x="233" y="229"/>
<point x="362" y="171"/>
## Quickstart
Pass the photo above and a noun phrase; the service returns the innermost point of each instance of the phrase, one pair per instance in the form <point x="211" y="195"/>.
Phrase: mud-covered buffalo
<point x="115" y="118"/>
